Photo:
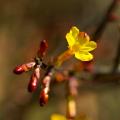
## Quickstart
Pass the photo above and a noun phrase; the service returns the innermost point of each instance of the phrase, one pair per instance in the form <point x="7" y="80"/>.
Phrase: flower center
<point x="75" y="48"/>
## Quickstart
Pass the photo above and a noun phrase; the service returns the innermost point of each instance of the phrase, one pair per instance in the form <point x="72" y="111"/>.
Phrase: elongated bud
<point x="42" y="49"/>
<point x="44" y="93"/>
<point x="43" y="97"/>
<point x="32" y="86"/>
<point x="46" y="87"/>
<point x="18" y="70"/>
<point x="24" y="67"/>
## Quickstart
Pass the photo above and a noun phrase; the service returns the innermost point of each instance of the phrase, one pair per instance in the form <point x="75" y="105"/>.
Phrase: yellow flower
<point x="80" y="45"/>
<point x="58" y="117"/>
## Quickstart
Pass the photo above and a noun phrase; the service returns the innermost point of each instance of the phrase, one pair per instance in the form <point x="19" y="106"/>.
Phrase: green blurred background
<point x="23" y="24"/>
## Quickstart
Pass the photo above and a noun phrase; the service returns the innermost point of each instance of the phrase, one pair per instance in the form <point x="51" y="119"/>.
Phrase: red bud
<point x="43" y="48"/>
<point x="43" y="98"/>
<point x="24" y="67"/>
<point x="32" y="86"/>
<point x="18" y="70"/>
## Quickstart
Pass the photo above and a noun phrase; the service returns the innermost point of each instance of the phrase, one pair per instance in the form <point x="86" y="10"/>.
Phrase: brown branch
<point x="106" y="78"/>
<point x="117" y="59"/>
<point x="100" y="29"/>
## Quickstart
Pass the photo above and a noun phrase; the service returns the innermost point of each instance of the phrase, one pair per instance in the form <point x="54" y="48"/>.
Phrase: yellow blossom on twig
<point x="79" y="44"/>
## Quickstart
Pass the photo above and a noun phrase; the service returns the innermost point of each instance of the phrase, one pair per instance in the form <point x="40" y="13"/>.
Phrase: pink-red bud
<point x="43" y="98"/>
<point x="43" y="48"/>
<point x="24" y="67"/>
<point x="32" y="86"/>
<point x="18" y="70"/>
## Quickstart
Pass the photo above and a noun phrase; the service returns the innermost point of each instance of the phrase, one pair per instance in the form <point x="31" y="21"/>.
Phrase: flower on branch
<point x="80" y="45"/>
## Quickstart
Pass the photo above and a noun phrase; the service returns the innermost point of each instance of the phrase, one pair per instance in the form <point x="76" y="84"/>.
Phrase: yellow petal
<point x="57" y="117"/>
<point x="72" y="36"/>
<point x="84" y="56"/>
<point x="75" y="31"/>
<point x="83" y="38"/>
<point x="89" y="46"/>
<point x="70" y="39"/>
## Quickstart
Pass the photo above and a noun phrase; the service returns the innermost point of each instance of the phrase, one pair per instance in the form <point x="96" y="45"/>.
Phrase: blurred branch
<point x="72" y="92"/>
<point x="100" y="29"/>
<point x="98" y="79"/>
<point x="106" y="78"/>
<point x="117" y="59"/>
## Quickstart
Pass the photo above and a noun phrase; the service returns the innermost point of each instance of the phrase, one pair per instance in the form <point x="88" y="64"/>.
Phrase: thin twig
<point x="106" y="78"/>
<point x="117" y="59"/>
<point x="99" y="31"/>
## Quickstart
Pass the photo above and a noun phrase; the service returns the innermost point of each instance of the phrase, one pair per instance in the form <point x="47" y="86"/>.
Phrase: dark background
<point x="23" y="24"/>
